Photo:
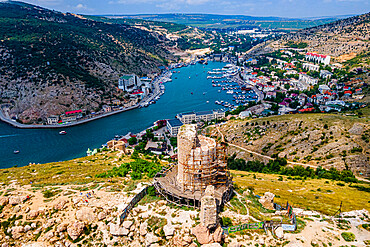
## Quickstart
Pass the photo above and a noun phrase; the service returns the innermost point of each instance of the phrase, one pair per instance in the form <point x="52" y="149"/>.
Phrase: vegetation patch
<point x="348" y="236"/>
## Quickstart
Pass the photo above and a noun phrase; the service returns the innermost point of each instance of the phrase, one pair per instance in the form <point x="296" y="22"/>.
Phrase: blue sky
<point x="282" y="8"/>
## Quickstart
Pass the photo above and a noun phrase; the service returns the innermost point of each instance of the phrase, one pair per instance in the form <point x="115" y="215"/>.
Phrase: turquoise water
<point x="46" y="145"/>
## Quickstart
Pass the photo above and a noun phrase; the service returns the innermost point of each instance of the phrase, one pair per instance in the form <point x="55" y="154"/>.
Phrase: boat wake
<point x="4" y="136"/>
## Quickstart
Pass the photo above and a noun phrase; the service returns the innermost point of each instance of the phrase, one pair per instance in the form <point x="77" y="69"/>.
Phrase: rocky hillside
<point x="66" y="204"/>
<point x="51" y="61"/>
<point x="339" y="38"/>
<point x="327" y="140"/>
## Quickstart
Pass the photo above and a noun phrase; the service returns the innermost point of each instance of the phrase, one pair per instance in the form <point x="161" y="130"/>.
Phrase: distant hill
<point x="209" y="21"/>
<point x="338" y="39"/>
<point x="51" y="61"/>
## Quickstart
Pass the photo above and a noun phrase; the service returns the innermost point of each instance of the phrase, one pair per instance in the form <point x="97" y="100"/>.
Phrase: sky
<point x="280" y="8"/>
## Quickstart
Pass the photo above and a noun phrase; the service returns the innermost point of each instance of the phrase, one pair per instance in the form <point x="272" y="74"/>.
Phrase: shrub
<point x="348" y="236"/>
<point x="226" y="221"/>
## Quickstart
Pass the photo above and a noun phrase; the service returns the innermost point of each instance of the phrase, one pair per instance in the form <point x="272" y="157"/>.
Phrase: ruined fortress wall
<point x="186" y="140"/>
<point x="196" y="154"/>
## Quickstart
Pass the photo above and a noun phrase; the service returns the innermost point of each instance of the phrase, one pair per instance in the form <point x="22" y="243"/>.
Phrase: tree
<point x="132" y="141"/>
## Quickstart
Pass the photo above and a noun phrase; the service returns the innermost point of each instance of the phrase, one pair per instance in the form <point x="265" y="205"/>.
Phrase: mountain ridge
<point x="52" y="62"/>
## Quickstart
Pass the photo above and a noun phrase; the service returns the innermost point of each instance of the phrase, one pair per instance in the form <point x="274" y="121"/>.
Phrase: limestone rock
<point x="217" y="235"/>
<point x="202" y="234"/>
<point x="279" y="232"/>
<point x="168" y="230"/>
<point x="61" y="204"/>
<point x="14" y="200"/>
<point x="267" y="200"/>
<point x="62" y="227"/>
<point x="33" y="225"/>
<point x="102" y="215"/>
<point x="27" y="228"/>
<point x="177" y="241"/>
<point x="48" y="235"/>
<point x="150" y="238"/>
<point x="4" y="200"/>
<point x="17" y="208"/>
<point x="193" y="245"/>
<point x="117" y="230"/>
<point x="32" y="215"/>
<point x="17" y="231"/>
<point x="143" y="228"/>
<point x="27" y="209"/>
<point x="127" y="224"/>
<point x="86" y="214"/>
<point x="75" y="229"/>
<point x="356" y="129"/>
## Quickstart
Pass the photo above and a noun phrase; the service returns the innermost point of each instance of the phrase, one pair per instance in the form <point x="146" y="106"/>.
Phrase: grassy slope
<point x="77" y="171"/>
<point x="320" y="195"/>
<point x="83" y="170"/>
<point x="288" y="138"/>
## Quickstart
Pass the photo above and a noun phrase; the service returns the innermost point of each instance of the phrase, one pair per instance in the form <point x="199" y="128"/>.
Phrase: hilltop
<point x="51" y="62"/>
<point x="342" y="39"/>
<point x="77" y="203"/>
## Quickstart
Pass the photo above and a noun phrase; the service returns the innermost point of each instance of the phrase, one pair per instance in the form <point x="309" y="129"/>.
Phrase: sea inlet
<point x="189" y="90"/>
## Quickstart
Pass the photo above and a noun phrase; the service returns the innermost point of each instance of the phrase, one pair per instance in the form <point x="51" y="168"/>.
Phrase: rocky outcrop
<point x="202" y="234"/>
<point x="279" y="232"/>
<point x="117" y="230"/>
<point x="32" y="215"/>
<point x="61" y="204"/>
<point x="169" y="230"/>
<point x="267" y="200"/>
<point x="75" y="229"/>
<point x="4" y="200"/>
<point x="86" y="214"/>
<point x="150" y="238"/>
<point x="17" y="231"/>
<point x="62" y="227"/>
<point x="102" y="215"/>
<point x="15" y="200"/>
<point x="143" y="228"/>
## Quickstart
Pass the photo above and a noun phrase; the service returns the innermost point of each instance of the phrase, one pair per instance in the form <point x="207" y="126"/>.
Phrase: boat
<point x="207" y="101"/>
<point x="16" y="151"/>
<point x="191" y="92"/>
<point x="62" y="132"/>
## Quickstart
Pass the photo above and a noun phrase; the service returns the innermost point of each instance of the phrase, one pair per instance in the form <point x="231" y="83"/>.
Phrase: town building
<point x="71" y="116"/>
<point x="310" y="66"/>
<point x="107" y="108"/>
<point x="318" y="58"/>
<point x="173" y="126"/>
<point x="193" y="117"/>
<point x="304" y="78"/>
<point x="129" y="83"/>
<point x="325" y="74"/>
<point x="116" y="102"/>
<point x="53" y="119"/>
